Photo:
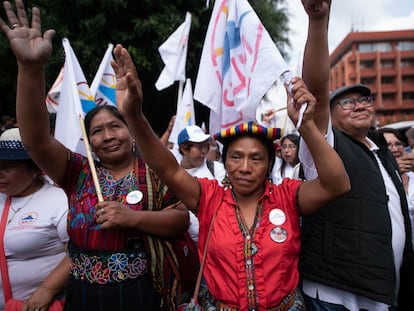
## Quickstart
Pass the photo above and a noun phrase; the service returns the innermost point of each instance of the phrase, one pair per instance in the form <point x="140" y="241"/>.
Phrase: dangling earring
<point x="226" y="182"/>
<point x="269" y="178"/>
<point x="134" y="146"/>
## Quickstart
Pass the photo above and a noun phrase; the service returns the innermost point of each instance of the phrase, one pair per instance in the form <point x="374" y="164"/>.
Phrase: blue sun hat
<point x="11" y="146"/>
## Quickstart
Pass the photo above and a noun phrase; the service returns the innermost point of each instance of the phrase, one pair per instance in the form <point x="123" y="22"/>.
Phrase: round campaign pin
<point x="134" y="197"/>
<point x="277" y="217"/>
<point x="278" y="234"/>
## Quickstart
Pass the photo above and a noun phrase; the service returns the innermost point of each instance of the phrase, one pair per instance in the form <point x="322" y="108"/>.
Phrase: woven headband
<point x="249" y="128"/>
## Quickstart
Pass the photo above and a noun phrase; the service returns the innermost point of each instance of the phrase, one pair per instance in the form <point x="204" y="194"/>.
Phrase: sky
<point x="360" y="15"/>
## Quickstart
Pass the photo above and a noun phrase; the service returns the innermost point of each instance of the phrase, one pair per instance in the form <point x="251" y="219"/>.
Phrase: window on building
<point x="408" y="95"/>
<point x="407" y="79"/>
<point x="372" y="47"/>
<point x="387" y="80"/>
<point x="365" y="47"/>
<point x="407" y="62"/>
<point x="388" y="97"/>
<point x="387" y="63"/>
<point x="367" y="64"/>
<point x="367" y="81"/>
<point x="382" y="47"/>
<point x="405" y="45"/>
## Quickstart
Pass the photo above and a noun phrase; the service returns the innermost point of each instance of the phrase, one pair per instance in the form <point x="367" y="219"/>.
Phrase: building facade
<point x="384" y="61"/>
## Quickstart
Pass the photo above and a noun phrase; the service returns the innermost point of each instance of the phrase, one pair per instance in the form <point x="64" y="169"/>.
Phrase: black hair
<point x="93" y="112"/>
<point x="264" y="141"/>
<point x="400" y="136"/>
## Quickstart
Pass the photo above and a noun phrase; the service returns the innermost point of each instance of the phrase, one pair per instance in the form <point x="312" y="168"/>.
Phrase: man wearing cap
<point x="356" y="251"/>
<point x="193" y="145"/>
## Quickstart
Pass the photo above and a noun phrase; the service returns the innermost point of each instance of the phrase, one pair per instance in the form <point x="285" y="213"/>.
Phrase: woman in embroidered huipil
<point x="253" y="252"/>
<point x="116" y="253"/>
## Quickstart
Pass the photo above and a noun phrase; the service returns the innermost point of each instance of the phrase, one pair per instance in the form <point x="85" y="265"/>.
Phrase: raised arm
<point x="316" y="58"/>
<point x="129" y="100"/>
<point x="32" y="51"/>
<point x="333" y="179"/>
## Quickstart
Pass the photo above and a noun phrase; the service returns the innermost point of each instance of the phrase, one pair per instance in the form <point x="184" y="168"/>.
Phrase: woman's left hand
<point x="300" y="96"/>
<point x="111" y="214"/>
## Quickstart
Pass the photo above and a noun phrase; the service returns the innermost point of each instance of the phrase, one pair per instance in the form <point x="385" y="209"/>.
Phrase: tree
<point x="141" y="26"/>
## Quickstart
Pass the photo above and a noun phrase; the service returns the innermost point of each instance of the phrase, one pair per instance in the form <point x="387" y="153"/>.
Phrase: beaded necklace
<point x="250" y="249"/>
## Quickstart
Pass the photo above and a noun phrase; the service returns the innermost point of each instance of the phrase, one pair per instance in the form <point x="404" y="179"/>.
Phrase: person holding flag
<point x="115" y="243"/>
<point x="254" y="246"/>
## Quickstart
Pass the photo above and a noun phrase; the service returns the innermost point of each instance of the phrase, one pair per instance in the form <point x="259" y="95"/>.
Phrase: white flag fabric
<point x="52" y="98"/>
<point x="185" y="115"/>
<point x="75" y="101"/>
<point x="173" y="53"/>
<point x="239" y="63"/>
<point x="103" y="86"/>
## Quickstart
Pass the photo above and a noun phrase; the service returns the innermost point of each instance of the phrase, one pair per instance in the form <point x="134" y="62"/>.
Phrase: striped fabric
<point x="249" y="128"/>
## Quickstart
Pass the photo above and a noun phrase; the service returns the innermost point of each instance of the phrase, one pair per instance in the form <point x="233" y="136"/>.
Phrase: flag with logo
<point x="75" y="101"/>
<point x="239" y="63"/>
<point x="185" y="115"/>
<point x="103" y="87"/>
<point x="52" y="98"/>
<point x="173" y="53"/>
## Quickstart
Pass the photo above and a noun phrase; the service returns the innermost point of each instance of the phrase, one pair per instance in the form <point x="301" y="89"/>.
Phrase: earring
<point x="226" y="182"/>
<point x="134" y="146"/>
<point x="269" y="178"/>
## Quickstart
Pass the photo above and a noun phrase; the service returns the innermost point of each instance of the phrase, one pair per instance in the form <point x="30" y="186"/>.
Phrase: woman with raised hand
<point x="253" y="252"/>
<point x="115" y="245"/>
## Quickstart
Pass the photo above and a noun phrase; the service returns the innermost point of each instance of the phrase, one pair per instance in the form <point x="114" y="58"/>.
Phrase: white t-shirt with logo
<point x="34" y="239"/>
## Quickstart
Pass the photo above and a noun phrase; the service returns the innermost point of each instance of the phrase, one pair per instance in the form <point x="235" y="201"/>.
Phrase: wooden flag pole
<point x="90" y="160"/>
<point x="180" y="92"/>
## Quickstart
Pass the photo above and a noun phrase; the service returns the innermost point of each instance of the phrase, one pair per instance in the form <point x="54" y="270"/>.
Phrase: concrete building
<point x="384" y="61"/>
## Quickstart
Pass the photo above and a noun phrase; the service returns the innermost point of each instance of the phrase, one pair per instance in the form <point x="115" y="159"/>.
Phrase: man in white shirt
<point x="356" y="251"/>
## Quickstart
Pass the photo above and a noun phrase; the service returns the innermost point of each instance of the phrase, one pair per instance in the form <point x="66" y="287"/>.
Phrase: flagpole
<point x="90" y="160"/>
<point x="180" y="92"/>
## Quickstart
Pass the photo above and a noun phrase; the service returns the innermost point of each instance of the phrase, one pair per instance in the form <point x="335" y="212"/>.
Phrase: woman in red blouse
<point x="254" y="247"/>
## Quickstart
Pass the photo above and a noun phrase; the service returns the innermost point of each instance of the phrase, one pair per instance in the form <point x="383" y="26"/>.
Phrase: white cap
<point x="192" y="133"/>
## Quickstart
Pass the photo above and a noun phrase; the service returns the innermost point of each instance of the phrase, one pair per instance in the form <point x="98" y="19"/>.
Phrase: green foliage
<point x="141" y="26"/>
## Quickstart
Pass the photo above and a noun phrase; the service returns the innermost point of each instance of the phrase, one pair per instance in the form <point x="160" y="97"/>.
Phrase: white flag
<point x="239" y="63"/>
<point x="75" y="101"/>
<point x="52" y="98"/>
<point x="185" y="115"/>
<point x="103" y="86"/>
<point x="174" y="54"/>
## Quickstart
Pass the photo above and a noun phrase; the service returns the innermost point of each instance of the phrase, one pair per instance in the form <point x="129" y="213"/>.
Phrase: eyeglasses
<point x="397" y="145"/>
<point x="350" y="102"/>
<point x="290" y="146"/>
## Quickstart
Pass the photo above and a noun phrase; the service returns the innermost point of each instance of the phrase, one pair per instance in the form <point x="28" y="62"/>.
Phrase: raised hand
<point x="128" y="86"/>
<point x="26" y="40"/>
<point x="300" y="95"/>
<point x="317" y="9"/>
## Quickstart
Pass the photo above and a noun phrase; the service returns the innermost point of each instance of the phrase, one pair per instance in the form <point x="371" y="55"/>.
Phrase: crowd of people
<point x="318" y="219"/>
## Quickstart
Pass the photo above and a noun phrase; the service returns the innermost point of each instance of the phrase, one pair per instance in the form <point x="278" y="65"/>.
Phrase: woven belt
<point x="293" y="301"/>
<point x="106" y="268"/>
